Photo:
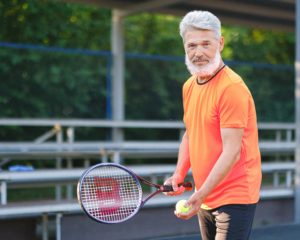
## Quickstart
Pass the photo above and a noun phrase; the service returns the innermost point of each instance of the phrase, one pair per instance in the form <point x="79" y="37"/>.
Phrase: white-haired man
<point x="220" y="144"/>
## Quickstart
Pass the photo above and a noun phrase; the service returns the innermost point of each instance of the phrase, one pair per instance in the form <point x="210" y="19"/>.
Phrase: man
<point x="220" y="144"/>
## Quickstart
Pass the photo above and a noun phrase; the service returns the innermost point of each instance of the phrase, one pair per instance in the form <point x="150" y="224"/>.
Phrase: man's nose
<point x="199" y="51"/>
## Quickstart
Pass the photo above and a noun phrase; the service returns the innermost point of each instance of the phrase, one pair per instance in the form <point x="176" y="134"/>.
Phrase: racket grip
<point x="187" y="185"/>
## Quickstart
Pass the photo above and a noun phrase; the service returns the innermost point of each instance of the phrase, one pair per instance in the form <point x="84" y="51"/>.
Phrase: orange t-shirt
<point x="223" y="102"/>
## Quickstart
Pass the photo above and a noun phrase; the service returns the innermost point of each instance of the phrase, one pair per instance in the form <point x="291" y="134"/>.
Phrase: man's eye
<point x="191" y="46"/>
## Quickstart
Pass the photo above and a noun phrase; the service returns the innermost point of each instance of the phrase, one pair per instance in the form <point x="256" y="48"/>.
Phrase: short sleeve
<point x="233" y="106"/>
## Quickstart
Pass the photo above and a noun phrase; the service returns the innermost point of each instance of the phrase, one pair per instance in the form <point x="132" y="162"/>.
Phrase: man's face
<point x="202" y="52"/>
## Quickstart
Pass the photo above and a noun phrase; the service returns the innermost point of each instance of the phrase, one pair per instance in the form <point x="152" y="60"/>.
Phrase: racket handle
<point x="187" y="185"/>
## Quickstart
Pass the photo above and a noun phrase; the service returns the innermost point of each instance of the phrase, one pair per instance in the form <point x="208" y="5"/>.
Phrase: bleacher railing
<point x="276" y="138"/>
<point x="59" y="143"/>
<point x="277" y="144"/>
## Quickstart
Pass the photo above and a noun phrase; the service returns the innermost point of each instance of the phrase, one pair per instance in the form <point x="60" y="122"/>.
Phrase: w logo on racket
<point x="108" y="195"/>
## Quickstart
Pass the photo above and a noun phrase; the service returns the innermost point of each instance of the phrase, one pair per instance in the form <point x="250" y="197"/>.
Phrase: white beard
<point x="206" y="70"/>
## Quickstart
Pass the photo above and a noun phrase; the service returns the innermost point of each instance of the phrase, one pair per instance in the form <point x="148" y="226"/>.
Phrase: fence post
<point x="71" y="138"/>
<point x="297" y="120"/>
<point x="59" y="141"/>
<point x="3" y="193"/>
<point x="58" y="226"/>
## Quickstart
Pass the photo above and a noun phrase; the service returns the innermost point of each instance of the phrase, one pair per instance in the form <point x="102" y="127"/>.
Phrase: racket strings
<point x="110" y="194"/>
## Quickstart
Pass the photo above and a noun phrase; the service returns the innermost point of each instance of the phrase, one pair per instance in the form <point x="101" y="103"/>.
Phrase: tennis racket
<point x="111" y="193"/>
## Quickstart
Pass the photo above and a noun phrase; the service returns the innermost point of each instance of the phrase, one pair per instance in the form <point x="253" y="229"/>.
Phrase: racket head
<point x="109" y="193"/>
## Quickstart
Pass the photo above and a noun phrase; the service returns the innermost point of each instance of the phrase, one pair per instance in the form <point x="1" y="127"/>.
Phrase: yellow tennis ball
<point x="180" y="208"/>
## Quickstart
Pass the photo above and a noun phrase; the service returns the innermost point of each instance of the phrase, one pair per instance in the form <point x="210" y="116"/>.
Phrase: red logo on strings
<point x="108" y="195"/>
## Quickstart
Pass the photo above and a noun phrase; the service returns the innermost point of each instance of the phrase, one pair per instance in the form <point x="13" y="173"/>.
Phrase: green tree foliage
<point x="36" y="83"/>
<point x="272" y="85"/>
<point x="54" y="23"/>
<point x="153" y="34"/>
<point x="58" y="84"/>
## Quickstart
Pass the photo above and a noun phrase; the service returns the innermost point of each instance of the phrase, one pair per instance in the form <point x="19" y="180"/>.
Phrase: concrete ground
<point x="275" y="232"/>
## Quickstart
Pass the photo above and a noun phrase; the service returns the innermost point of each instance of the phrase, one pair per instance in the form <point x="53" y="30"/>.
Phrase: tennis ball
<point x="180" y="207"/>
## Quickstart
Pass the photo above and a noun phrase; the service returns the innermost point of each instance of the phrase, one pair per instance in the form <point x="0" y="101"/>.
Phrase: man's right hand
<point x="174" y="181"/>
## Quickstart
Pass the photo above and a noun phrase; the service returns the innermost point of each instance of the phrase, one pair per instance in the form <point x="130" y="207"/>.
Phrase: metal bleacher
<point x="279" y="170"/>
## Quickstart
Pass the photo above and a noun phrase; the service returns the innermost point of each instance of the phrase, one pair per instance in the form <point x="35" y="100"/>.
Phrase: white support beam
<point x="148" y="6"/>
<point x="117" y="43"/>
<point x="118" y="86"/>
<point x="297" y="115"/>
<point x="285" y="1"/>
<point x="246" y="7"/>
<point x="247" y="22"/>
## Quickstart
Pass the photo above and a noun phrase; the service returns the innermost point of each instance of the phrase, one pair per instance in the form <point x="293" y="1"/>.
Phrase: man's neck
<point x="204" y="79"/>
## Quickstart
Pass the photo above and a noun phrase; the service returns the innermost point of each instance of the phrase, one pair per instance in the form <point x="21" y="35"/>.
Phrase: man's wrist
<point x="178" y="176"/>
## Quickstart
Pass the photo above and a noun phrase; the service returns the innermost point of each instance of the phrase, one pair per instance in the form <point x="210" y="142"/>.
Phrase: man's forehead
<point x="199" y="35"/>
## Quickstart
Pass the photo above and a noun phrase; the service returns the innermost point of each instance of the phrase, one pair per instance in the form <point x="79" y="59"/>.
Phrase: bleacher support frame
<point x="282" y="171"/>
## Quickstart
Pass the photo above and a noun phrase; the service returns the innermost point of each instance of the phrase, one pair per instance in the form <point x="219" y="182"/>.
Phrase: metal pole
<point x="58" y="226"/>
<point x="297" y="115"/>
<point x="117" y="40"/>
<point x="71" y="139"/>
<point x="45" y="226"/>
<point x="3" y="192"/>
<point x="59" y="140"/>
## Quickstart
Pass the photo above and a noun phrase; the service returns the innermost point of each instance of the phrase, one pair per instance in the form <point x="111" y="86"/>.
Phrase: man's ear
<point x="221" y="43"/>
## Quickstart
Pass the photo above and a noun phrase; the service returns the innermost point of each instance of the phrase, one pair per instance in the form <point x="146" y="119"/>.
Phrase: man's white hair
<point x="200" y="20"/>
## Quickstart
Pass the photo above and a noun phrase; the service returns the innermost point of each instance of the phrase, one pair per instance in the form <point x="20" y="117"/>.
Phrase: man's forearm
<point x="229" y="156"/>
<point x="183" y="162"/>
<point x="218" y="173"/>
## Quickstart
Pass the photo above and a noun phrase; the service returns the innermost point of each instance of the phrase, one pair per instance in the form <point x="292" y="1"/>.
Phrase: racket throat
<point x="150" y="196"/>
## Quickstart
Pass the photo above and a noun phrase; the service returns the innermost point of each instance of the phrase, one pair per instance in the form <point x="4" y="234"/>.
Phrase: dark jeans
<point x="228" y="222"/>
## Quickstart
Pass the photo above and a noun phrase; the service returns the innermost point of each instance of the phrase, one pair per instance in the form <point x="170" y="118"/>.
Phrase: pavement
<point x="274" y="232"/>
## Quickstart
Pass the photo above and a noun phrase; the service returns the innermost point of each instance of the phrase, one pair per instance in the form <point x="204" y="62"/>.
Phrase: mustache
<point x="198" y="59"/>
